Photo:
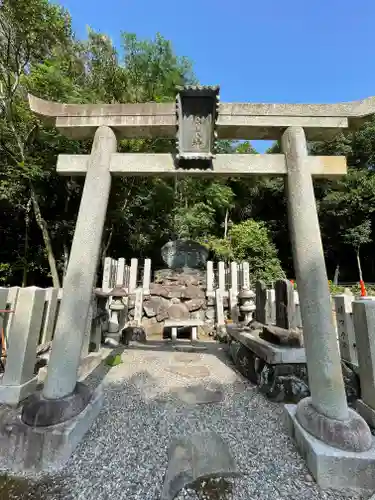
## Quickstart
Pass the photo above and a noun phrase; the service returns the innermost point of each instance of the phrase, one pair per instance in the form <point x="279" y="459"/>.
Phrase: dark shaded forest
<point x="236" y="218"/>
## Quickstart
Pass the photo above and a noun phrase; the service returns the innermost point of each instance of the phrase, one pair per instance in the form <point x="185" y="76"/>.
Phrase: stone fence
<point x="355" y="323"/>
<point x="33" y="312"/>
<point x="153" y="296"/>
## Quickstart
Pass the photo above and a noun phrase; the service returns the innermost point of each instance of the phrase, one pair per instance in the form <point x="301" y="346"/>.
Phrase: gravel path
<point x="124" y="456"/>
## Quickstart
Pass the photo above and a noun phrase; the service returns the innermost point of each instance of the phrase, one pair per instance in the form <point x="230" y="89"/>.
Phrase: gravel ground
<point x="124" y="456"/>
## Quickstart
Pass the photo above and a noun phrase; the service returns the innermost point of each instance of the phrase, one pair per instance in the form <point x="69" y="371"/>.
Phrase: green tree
<point x="356" y="237"/>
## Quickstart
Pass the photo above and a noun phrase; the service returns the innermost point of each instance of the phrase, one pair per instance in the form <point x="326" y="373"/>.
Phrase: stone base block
<point x="366" y="412"/>
<point x="43" y="449"/>
<point x="331" y="467"/>
<point x="13" y="394"/>
<point x="87" y="365"/>
<point x="270" y="353"/>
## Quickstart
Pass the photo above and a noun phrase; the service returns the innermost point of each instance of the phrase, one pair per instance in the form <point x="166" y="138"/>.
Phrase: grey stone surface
<point x="125" y="453"/>
<point x="271" y="353"/>
<point x="182" y="322"/>
<point x="38" y="411"/>
<point x="196" y="119"/>
<point x="284" y="383"/>
<point x="223" y="165"/>
<point x="198" y="395"/>
<point x="19" y="380"/>
<point x="261" y="302"/>
<point x="332" y="468"/>
<point x="235" y="120"/>
<point x="366" y="412"/>
<point x="184" y="253"/>
<point x="79" y="280"/>
<point x="285" y="307"/>
<point x="364" y="327"/>
<point x="322" y="352"/>
<point x="201" y="455"/>
<point x="34" y="449"/>
<point x="351" y="434"/>
<point x="344" y="322"/>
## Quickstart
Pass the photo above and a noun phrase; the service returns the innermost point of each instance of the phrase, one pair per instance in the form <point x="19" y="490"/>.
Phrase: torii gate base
<point x="335" y="440"/>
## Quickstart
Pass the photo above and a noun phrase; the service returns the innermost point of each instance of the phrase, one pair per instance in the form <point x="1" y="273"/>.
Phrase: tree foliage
<point x="236" y="218"/>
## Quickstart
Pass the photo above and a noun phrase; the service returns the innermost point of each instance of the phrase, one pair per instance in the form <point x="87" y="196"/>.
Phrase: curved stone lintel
<point x="350" y="109"/>
<point x="235" y="120"/>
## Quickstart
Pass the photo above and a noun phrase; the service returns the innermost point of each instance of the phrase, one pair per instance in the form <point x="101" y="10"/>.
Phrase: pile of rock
<point x="174" y="294"/>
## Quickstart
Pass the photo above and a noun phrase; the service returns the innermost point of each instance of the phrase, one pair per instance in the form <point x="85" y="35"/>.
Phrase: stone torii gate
<point x="197" y="120"/>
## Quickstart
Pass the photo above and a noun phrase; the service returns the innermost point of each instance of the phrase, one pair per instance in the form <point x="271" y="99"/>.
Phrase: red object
<point x="292" y="282"/>
<point x="363" y="288"/>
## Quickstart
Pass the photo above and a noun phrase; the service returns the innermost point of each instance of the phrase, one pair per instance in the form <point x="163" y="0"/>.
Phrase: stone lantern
<point x="247" y="304"/>
<point x="116" y="306"/>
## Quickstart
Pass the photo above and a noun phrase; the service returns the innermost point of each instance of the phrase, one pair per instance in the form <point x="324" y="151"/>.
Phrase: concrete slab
<point x="332" y="468"/>
<point x="270" y="353"/>
<point x="202" y="455"/>
<point x="40" y="449"/>
<point x="366" y="412"/>
<point x="13" y="394"/>
<point x="198" y="395"/>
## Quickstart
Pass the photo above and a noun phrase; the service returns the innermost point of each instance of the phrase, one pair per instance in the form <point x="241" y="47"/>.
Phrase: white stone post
<point x="79" y="280"/>
<point x="364" y="326"/>
<point x="138" y="306"/>
<point x="210" y="278"/>
<point x="233" y="291"/>
<point x="146" y="277"/>
<point x="327" y="407"/>
<point x="271" y="306"/>
<point x="133" y="275"/>
<point x="107" y="273"/>
<point x="297" y="310"/>
<point x="345" y="329"/>
<point x="194" y="333"/>
<point x="221" y="275"/>
<point x="245" y="285"/>
<point x="51" y="310"/>
<point x="220" y="321"/>
<point x="174" y="333"/>
<point x="19" y="380"/>
<point x="120" y="274"/>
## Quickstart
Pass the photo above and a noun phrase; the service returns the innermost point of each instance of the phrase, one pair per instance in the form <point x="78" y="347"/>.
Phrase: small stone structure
<point x="210" y="294"/>
<point x="174" y="295"/>
<point x="331" y="436"/>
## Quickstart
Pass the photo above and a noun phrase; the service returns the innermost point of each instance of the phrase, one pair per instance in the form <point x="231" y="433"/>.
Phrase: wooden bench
<point x="180" y="323"/>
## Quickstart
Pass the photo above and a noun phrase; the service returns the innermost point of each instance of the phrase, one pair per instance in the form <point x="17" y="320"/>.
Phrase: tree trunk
<point x="106" y="245"/>
<point x="359" y="265"/>
<point x="66" y="259"/>
<point x="336" y="276"/>
<point x="46" y="238"/>
<point x="226" y="224"/>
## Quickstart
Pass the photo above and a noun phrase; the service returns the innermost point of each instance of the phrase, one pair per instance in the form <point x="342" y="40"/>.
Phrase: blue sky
<point x="257" y="51"/>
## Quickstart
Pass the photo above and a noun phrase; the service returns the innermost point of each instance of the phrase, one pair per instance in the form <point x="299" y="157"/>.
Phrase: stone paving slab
<point x="199" y="456"/>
